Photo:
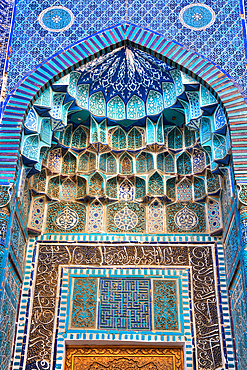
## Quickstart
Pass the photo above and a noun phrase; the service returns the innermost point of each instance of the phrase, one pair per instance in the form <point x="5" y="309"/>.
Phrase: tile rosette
<point x="56" y="19"/>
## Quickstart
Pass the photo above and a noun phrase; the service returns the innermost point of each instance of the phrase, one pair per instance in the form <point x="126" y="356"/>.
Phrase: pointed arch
<point x="30" y="147"/>
<point x="194" y="101"/>
<point x="199" y="188"/>
<point x="140" y="188"/>
<point x="95" y="217"/>
<point x="156" y="217"/>
<point x="199" y="161"/>
<point x="45" y="131"/>
<point x="144" y="162"/>
<point x="96" y="185"/>
<point x="156" y="185"/>
<point x="216" y="81"/>
<point x="189" y="137"/>
<point x="67" y="135"/>
<point x="69" y="164"/>
<point x="171" y="188"/>
<point x="205" y="130"/>
<point x="175" y="139"/>
<point x="81" y="187"/>
<point x="87" y="162"/>
<point x="219" y="145"/>
<point x="97" y="104"/>
<point x="154" y="103"/>
<point x="184" y="164"/>
<point x="57" y="106"/>
<point x="38" y="181"/>
<point x="54" y="160"/>
<point x="108" y="163"/>
<point x="213" y="182"/>
<point x="169" y="94"/>
<point x="165" y="162"/>
<point x="79" y="138"/>
<point x="126" y="164"/>
<point x="82" y="96"/>
<point x="126" y="190"/>
<point x="118" y="139"/>
<point x="135" y="108"/>
<point x="116" y="109"/>
<point x="68" y="190"/>
<point x="135" y="139"/>
<point x="74" y="77"/>
<point x="112" y="188"/>
<point x="53" y="189"/>
<point x="184" y="191"/>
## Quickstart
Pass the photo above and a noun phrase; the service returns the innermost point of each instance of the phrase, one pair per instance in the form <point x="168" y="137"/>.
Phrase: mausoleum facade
<point x="123" y="186"/>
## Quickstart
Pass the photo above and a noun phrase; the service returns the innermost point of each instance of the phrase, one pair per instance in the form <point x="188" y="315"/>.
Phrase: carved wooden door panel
<point x="124" y="358"/>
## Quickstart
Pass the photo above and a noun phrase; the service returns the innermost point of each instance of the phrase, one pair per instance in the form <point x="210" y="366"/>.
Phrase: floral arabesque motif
<point x="187" y="216"/>
<point x="165" y="305"/>
<point x="95" y="217"/>
<point x="126" y="216"/>
<point x="84" y="303"/>
<point x="156" y="217"/>
<point x="64" y="216"/>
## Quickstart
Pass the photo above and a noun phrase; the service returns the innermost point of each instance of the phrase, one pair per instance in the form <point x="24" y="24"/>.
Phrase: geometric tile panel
<point x="125" y="304"/>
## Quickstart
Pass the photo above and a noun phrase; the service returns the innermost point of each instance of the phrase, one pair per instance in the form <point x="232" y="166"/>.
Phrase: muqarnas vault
<point x="126" y="221"/>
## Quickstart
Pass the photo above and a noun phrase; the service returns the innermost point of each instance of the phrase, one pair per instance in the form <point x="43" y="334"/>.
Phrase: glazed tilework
<point x="4" y="218"/>
<point x="225" y="49"/>
<point x="224" y="309"/>
<point x="64" y="217"/>
<point x="18" y="242"/>
<point x="6" y="9"/>
<point x="231" y="245"/>
<point x="129" y="32"/>
<point x="8" y="315"/>
<point x="95" y="186"/>
<point x="165" y="297"/>
<point x="129" y="276"/>
<point x="126" y="217"/>
<point x="83" y="313"/>
<point x="187" y="216"/>
<point x="198" y="257"/>
<point x="238" y="306"/>
<point x="7" y="321"/>
<point x="153" y="259"/>
<point x="222" y="42"/>
<point x="125" y="304"/>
